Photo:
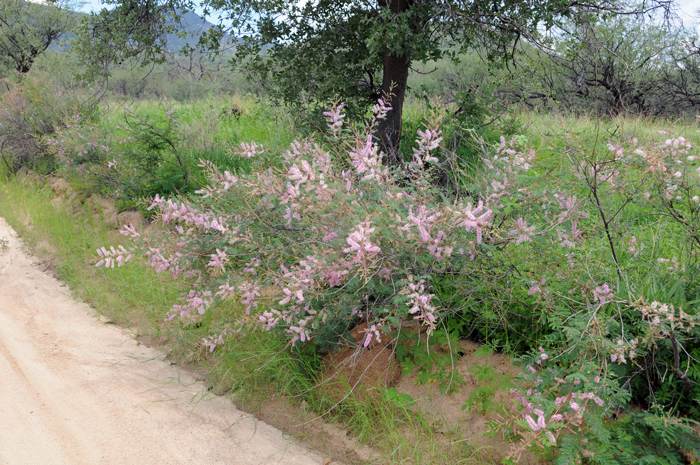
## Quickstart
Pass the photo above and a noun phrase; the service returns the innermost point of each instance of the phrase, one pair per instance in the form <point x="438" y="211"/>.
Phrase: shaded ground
<point x="76" y="390"/>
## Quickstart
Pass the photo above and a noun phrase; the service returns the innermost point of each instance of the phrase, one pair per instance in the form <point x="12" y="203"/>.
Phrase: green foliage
<point x="154" y="150"/>
<point x="641" y="64"/>
<point x="307" y="54"/>
<point x="141" y="159"/>
<point x="490" y="382"/>
<point x="28" y="28"/>
<point x="432" y="358"/>
<point x="157" y="148"/>
<point x="400" y="399"/>
<point x="212" y="77"/>
<point x="639" y="437"/>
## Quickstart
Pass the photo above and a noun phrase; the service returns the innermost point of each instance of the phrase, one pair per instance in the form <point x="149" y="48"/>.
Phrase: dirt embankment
<point x="75" y="390"/>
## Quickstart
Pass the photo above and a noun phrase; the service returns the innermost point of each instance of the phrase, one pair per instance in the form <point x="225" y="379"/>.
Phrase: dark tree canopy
<point x="27" y="29"/>
<point x="359" y="50"/>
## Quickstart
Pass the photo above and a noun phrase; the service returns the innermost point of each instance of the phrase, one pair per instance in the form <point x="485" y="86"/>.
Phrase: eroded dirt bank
<point x="74" y="390"/>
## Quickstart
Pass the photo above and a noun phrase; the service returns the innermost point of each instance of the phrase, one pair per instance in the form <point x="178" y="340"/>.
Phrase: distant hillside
<point x="193" y="26"/>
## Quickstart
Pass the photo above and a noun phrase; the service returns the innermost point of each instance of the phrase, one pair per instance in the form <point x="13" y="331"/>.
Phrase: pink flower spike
<point x="531" y="422"/>
<point x="540" y="422"/>
<point x="249" y="150"/>
<point x="359" y="241"/>
<point x="335" y="119"/>
<point x="603" y="294"/>
<point x="473" y="218"/>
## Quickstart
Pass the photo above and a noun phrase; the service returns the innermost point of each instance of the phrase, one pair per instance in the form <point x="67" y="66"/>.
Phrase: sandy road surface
<point x="74" y="390"/>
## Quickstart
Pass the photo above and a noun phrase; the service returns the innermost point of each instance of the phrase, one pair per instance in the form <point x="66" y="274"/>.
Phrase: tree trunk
<point x="394" y="80"/>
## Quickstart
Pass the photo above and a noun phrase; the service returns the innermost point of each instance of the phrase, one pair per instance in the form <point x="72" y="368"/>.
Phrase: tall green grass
<point x="133" y="296"/>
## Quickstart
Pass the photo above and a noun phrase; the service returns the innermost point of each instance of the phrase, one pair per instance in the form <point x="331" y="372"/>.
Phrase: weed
<point x="483" y="397"/>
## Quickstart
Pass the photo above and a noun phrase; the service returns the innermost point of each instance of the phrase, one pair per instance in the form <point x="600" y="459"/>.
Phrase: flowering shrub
<point x="330" y="236"/>
<point x="603" y="347"/>
<point x="569" y="396"/>
<point x="85" y="156"/>
<point x="338" y="244"/>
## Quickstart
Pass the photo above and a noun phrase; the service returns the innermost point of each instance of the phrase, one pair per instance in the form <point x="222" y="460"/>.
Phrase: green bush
<point x="30" y="111"/>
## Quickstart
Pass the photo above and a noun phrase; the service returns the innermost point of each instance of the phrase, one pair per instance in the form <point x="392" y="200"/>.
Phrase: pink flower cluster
<point x="110" y="257"/>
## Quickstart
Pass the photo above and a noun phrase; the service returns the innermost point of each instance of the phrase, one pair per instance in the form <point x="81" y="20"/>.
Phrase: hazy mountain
<point x="193" y="26"/>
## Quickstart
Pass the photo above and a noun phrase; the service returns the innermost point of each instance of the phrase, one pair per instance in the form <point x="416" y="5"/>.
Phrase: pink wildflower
<point x="428" y="141"/>
<point x="474" y="218"/>
<point x="335" y="119"/>
<point x="218" y="261"/>
<point x="249" y="150"/>
<point x="367" y="160"/>
<point x="603" y="293"/>
<point x="359" y="241"/>
<point x="551" y="437"/>
<point x="532" y="423"/>
<point x="522" y="230"/>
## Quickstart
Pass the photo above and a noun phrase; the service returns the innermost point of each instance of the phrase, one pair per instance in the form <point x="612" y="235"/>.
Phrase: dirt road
<point x="74" y="390"/>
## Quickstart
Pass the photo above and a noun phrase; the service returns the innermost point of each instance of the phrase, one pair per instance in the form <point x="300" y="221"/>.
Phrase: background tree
<point x="681" y="80"/>
<point x="635" y="64"/>
<point x="609" y="66"/>
<point x="309" y="52"/>
<point x="27" y="29"/>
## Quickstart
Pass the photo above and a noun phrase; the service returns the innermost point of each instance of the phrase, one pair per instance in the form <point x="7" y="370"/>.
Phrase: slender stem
<point x="688" y="386"/>
<point x="594" y="194"/>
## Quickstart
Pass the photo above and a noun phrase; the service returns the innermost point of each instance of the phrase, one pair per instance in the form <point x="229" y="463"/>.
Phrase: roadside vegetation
<point x="549" y="213"/>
